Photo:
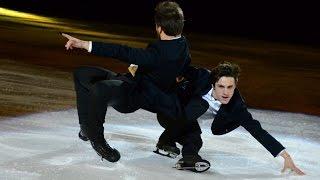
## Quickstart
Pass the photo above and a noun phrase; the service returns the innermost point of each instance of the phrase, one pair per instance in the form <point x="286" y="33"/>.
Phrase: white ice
<point x="46" y="146"/>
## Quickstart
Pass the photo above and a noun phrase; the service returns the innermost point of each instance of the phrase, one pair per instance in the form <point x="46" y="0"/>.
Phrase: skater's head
<point x="224" y="78"/>
<point x="169" y="19"/>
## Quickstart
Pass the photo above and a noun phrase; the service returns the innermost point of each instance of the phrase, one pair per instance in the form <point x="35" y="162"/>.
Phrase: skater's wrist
<point x="281" y="152"/>
<point x="285" y="155"/>
<point x="87" y="45"/>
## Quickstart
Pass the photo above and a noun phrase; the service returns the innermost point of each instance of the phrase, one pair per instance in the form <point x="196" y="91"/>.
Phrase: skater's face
<point x="223" y="89"/>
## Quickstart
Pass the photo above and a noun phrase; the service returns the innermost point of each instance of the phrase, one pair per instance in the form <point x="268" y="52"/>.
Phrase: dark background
<point x="293" y="22"/>
<point x="280" y="67"/>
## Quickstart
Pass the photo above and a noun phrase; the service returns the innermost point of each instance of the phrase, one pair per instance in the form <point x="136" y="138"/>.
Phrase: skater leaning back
<point x="216" y="91"/>
<point x="159" y="64"/>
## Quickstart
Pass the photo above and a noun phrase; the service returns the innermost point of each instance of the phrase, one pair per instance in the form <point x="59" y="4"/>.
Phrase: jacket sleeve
<point x="200" y="80"/>
<point x="142" y="57"/>
<point x="254" y="128"/>
<point x="195" y="108"/>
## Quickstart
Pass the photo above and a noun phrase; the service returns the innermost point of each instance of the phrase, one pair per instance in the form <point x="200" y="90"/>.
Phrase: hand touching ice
<point x="289" y="164"/>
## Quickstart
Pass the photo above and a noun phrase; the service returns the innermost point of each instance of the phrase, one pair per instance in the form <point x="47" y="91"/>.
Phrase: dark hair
<point x="169" y="16"/>
<point x="226" y="69"/>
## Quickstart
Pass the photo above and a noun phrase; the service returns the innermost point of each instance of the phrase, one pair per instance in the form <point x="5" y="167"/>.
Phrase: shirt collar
<point x="211" y="92"/>
<point x="177" y="37"/>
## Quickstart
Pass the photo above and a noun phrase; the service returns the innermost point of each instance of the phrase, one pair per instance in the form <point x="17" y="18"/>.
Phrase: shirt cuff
<point x="90" y="47"/>
<point x="281" y="152"/>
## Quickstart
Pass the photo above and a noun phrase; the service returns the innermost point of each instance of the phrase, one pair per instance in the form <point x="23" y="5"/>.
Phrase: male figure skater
<point x="215" y="91"/>
<point x="159" y="65"/>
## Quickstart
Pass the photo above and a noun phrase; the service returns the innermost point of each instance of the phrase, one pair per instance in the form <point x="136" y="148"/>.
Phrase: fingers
<point x="294" y="169"/>
<point x="69" y="45"/>
<point x="67" y="36"/>
<point x="179" y="79"/>
<point x="298" y="171"/>
<point x="132" y="70"/>
<point x="70" y="41"/>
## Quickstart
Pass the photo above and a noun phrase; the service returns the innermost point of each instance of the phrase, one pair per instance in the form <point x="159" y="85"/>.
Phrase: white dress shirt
<point x="90" y="47"/>
<point x="214" y="105"/>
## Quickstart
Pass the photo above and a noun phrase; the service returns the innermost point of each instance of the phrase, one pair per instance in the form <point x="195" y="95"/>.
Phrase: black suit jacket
<point x="159" y="65"/>
<point x="161" y="62"/>
<point x="230" y="116"/>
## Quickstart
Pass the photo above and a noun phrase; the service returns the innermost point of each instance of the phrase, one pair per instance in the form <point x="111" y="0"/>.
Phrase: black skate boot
<point x="103" y="149"/>
<point x="169" y="150"/>
<point x="82" y="135"/>
<point x="193" y="163"/>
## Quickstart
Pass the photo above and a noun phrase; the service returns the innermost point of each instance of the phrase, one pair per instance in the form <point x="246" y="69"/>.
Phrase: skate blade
<point x="165" y="153"/>
<point x="199" y="167"/>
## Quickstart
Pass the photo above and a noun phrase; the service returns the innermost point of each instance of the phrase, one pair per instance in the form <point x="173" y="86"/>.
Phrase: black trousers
<point x="186" y="134"/>
<point x="96" y="89"/>
<point x="187" y="131"/>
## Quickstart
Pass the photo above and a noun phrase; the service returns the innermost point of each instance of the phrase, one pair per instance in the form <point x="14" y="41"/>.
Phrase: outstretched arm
<point x="148" y="58"/>
<point x="270" y="143"/>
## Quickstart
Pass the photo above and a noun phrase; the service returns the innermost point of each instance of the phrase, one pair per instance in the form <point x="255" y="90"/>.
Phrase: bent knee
<point x="80" y="72"/>
<point x="110" y="88"/>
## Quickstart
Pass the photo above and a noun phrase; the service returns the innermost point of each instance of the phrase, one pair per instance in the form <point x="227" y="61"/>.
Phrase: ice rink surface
<point x="46" y="146"/>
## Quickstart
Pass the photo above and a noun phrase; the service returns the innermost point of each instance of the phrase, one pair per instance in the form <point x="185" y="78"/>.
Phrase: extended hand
<point x="132" y="69"/>
<point x="289" y="164"/>
<point x="75" y="43"/>
<point x="179" y="79"/>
